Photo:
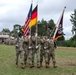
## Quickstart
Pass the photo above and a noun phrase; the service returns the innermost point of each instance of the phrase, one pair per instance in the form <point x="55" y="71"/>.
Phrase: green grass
<point x="66" y="62"/>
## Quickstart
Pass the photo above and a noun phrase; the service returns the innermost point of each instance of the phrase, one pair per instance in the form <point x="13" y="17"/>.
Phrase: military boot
<point x="22" y="65"/>
<point x="54" y="64"/>
<point x="41" y="64"/>
<point x="32" y="65"/>
<point x="16" y="65"/>
<point x="38" y="66"/>
<point x="47" y="66"/>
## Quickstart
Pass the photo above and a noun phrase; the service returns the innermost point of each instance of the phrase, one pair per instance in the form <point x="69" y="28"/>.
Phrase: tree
<point x="45" y="27"/>
<point x="51" y="27"/>
<point x="6" y="30"/>
<point x="51" y="24"/>
<point x="16" y="28"/>
<point x="42" y="27"/>
<point x="73" y="21"/>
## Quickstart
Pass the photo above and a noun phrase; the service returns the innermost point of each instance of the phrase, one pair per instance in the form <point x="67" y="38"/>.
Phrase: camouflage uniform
<point x="30" y="53"/>
<point x="25" y="47"/>
<point x="36" y="42"/>
<point x="41" y="53"/>
<point x="20" y="51"/>
<point x="52" y="53"/>
<point x="45" y="49"/>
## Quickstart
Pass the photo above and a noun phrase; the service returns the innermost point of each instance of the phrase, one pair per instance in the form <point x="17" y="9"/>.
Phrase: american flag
<point x="28" y="19"/>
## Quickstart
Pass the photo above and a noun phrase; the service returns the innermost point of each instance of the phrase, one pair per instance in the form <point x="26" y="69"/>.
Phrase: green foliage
<point x="73" y="38"/>
<point x="51" y="24"/>
<point x="73" y="21"/>
<point x="68" y="43"/>
<point x="6" y="30"/>
<point x="73" y="18"/>
<point x="71" y="42"/>
<point x="43" y="26"/>
<point x="15" y="30"/>
<point x="74" y="44"/>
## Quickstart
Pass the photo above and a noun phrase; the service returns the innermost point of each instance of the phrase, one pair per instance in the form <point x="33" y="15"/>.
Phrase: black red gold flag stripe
<point x="34" y="17"/>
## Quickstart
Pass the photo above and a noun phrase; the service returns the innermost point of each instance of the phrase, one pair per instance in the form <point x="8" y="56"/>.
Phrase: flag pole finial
<point x="31" y="1"/>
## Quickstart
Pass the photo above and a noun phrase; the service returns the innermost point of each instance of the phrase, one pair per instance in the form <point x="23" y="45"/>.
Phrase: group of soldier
<point x="34" y="47"/>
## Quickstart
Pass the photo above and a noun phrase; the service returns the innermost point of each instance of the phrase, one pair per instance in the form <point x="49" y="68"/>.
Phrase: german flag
<point x="34" y="17"/>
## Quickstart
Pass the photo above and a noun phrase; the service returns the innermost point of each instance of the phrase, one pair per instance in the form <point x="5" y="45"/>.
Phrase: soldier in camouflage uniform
<point x="47" y="51"/>
<point x="52" y="52"/>
<point x="45" y="45"/>
<point x="41" y="51"/>
<point x="28" y="48"/>
<point x="25" y="47"/>
<point x="30" y="52"/>
<point x="20" y="51"/>
<point x="36" y="42"/>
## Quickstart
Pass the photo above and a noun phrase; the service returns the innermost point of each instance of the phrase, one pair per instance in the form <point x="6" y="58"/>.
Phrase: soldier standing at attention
<point x="25" y="47"/>
<point x="44" y="52"/>
<point x="30" y="52"/>
<point x="36" y="42"/>
<point x="52" y="52"/>
<point x="20" y="51"/>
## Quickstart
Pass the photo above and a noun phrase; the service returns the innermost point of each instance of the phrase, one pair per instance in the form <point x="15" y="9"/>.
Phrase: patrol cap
<point x="20" y="34"/>
<point x="44" y="34"/>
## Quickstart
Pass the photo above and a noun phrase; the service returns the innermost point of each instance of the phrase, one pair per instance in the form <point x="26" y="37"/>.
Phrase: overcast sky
<point x="15" y="12"/>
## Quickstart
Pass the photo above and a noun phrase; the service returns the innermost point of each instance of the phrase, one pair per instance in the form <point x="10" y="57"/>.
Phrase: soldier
<point x="36" y="42"/>
<point x="52" y="52"/>
<point x="20" y="51"/>
<point x="30" y="52"/>
<point x="25" y="47"/>
<point x="44" y="50"/>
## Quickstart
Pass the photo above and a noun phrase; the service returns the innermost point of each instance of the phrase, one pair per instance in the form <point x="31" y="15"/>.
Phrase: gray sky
<point x="15" y="12"/>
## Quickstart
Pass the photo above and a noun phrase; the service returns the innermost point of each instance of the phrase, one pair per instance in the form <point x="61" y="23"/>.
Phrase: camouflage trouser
<point x="52" y="55"/>
<point x="46" y="55"/>
<point x="31" y="56"/>
<point x="37" y="52"/>
<point x="21" y="54"/>
<point x="26" y="56"/>
<point x="41" y="56"/>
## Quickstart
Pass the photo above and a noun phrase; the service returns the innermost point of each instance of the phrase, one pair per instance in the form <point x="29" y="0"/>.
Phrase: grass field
<point x="65" y="57"/>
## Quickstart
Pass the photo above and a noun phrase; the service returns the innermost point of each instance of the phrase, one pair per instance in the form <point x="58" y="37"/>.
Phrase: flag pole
<point x="30" y="29"/>
<point x="53" y="31"/>
<point x="31" y="16"/>
<point x="36" y="26"/>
